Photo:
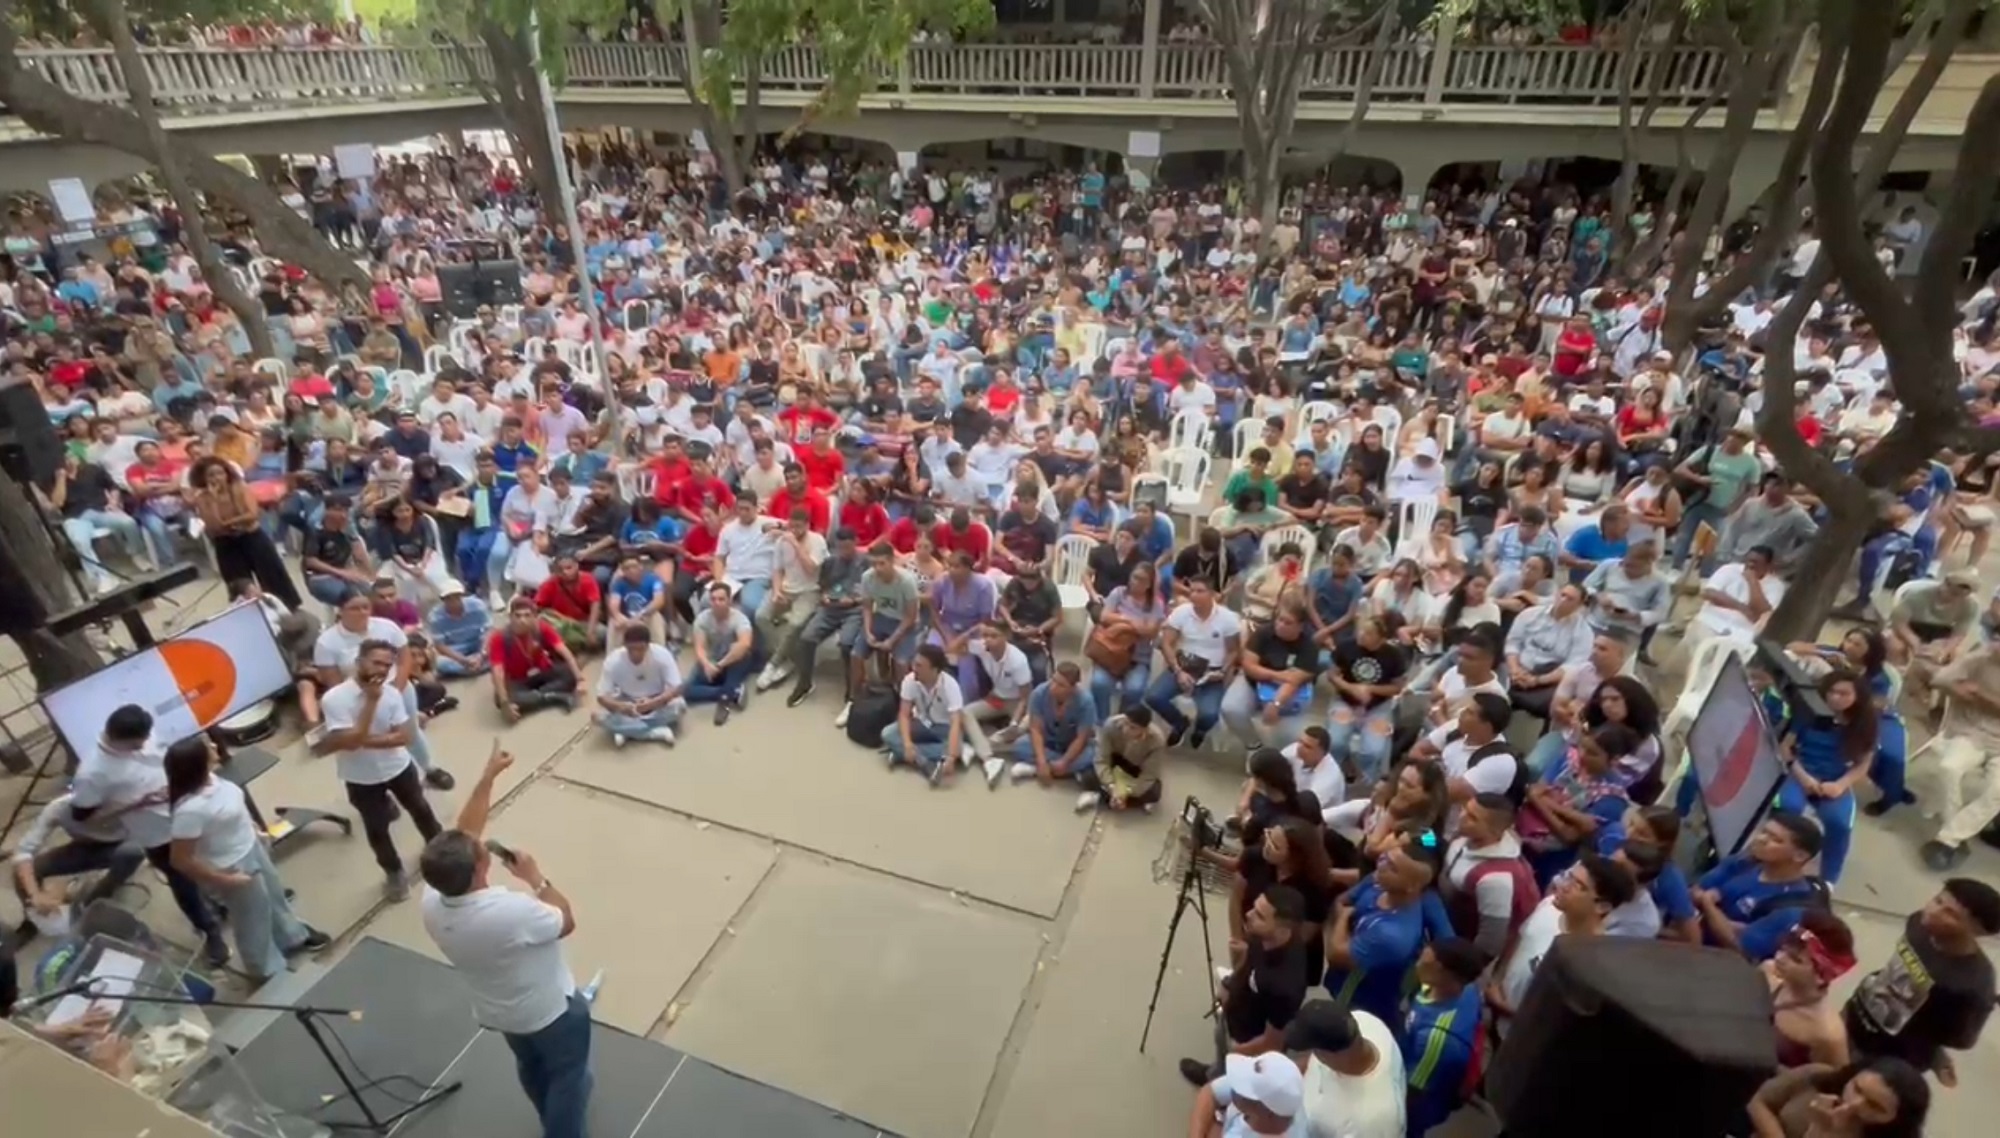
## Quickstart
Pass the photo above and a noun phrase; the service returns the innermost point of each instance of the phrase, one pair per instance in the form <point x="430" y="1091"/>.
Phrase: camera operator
<point x="508" y="947"/>
<point x="1266" y="986"/>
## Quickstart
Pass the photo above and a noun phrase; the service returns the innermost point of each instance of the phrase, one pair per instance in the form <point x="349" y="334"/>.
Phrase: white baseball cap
<point x="1271" y="1080"/>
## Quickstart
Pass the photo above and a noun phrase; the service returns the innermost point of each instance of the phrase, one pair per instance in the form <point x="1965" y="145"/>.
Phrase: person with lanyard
<point x="1444" y="1038"/>
<point x="1936" y="992"/>
<point x="368" y="728"/>
<point x="1579" y="902"/>
<point x="1377" y="929"/>
<point x="507" y="947"/>
<point x="118" y="797"/>
<point x="1201" y="643"/>
<point x="1826" y="760"/>
<point x="1752" y="899"/>
<point x="1266" y="984"/>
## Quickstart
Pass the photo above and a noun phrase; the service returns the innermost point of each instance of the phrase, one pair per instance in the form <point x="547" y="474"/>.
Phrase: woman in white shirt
<point x="215" y="841"/>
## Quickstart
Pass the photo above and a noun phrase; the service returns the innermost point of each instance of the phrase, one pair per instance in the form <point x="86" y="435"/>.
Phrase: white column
<point x="1149" y="57"/>
<point x="1447" y="28"/>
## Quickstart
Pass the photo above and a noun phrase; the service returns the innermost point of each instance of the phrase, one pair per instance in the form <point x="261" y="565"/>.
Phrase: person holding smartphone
<point x="507" y="944"/>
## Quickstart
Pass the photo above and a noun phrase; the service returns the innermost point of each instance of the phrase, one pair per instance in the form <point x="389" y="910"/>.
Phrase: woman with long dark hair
<point x="230" y="516"/>
<point x="216" y="842"/>
<point x="1288" y="851"/>
<point x="1864" y="652"/>
<point x="1827" y="760"/>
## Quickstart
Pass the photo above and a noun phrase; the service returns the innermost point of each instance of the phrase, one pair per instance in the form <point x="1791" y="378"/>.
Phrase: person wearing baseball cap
<point x="1256" y="1095"/>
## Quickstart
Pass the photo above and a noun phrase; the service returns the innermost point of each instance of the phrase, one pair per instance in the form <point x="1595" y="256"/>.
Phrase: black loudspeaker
<point x="30" y="449"/>
<point x="1609" y="1021"/>
<point x="467" y="286"/>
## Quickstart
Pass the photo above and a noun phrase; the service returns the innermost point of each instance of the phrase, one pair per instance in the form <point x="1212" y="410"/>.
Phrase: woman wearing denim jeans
<point x="1367" y="678"/>
<point x="1137" y="604"/>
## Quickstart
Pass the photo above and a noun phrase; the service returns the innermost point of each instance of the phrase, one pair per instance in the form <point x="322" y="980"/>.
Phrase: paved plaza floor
<point x="938" y="963"/>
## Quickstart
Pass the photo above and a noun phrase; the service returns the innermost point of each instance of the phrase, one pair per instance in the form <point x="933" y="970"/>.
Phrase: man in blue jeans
<point x="507" y="945"/>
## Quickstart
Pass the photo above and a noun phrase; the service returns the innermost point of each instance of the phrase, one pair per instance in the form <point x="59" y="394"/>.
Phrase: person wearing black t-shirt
<point x="1935" y="993"/>
<point x="881" y="411"/>
<point x="1110" y="566"/>
<point x="1265" y="987"/>
<point x="1287" y="851"/>
<point x="1480" y="500"/>
<point x="970" y="420"/>
<point x="335" y="563"/>
<point x="1266" y="704"/>
<point x="1207" y="559"/>
<point x="84" y="494"/>
<point x="1303" y="492"/>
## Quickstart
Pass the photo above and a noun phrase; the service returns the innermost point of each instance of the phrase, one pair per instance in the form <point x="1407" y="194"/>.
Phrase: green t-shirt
<point x="889" y="600"/>
<point x="1244" y="480"/>
<point x="1734" y="474"/>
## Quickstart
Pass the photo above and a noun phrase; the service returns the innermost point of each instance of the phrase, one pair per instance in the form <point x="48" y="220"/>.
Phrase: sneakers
<point x="661" y="735"/>
<point x="1022" y="772"/>
<point x="994" y="769"/>
<point x="722" y="710"/>
<point x="799" y="694"/>
<point x="773" y="675"/>
<point x="315" y="940"/>
<point x="618" y="739"/>
<point x="1087" y="801"/>
<point x="846" y="709"/>
<point x="1942" y="857"/>
<point x="215" y="949"/>
<point x="397" y="886"/>
<point x="937" y="773"/>
<point x="567" y="700"/>
<point x="440" y="778"/>
<point x="1195" y="1071"/>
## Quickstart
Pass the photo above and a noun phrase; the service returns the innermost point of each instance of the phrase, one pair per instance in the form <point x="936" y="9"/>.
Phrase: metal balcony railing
<point x="190" y="81"/>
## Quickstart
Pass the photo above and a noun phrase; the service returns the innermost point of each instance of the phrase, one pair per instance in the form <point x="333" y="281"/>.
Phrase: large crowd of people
<point x="1388" y="498"/>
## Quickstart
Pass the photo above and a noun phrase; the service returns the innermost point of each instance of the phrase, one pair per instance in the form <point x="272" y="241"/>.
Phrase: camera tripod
<point x="1201" y="825"/>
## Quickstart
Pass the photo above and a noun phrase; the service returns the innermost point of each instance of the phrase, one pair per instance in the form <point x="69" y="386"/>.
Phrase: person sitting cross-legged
<point x="725" y="654"/>
<point x="1061" y="736"/>
<point x="532" y="667"/>
<point x="639" y="694"/>
<point x="459" y="626"/>
<point x="1003" y="671"/>
<point x="929" y="731"/>
<point x="1127" y="776"/>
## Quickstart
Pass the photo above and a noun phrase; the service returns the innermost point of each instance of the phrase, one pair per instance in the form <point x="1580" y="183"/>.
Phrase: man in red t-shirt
<point x="701" y="494"/>
<point x="572" y="602"/>
<point x="904" y="533"/>
<point x="963" y="535"/>
<point x="1169" y="365"/>
<point x="796" y="494"/>
<point x="670" y="469"/>
<point x="802" y="420"/>
<point x="822" y="463"/>
<point x="532" y="667"/>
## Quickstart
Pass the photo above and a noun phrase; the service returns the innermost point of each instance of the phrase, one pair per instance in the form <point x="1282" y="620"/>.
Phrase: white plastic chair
<point x="1277" y="536"/>
<point x="1413" y="525"/>
<point x="1392" y="425"/>
<point x="645" y="313"/>
<point x="1243" y="438"/>
<point x="510" y="315"/>
<point x="1186" y="470"/>
<point x="407" y="386"/>
<point x="1447" y="433"/>
<point x="274" y="367"/>
<point x="1315" y="411"/>
<point x="1072" y="564"/>
<point x="437" y="357"/>
<point x="1153" y="478"/>
<point x="458" y="336"/>
<point x="533" y="350"/>
<point x="1190" y="429"/>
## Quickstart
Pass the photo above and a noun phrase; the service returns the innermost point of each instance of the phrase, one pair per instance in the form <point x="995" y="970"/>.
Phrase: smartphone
<point x="502" y="852"/>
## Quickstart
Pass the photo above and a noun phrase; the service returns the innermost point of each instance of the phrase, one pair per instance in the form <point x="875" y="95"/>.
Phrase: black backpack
<point x="870" y="716"/>
<point x="1517" y="791"/>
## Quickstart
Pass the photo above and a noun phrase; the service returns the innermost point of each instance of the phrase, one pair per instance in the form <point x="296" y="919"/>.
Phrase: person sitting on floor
<point x="639" y="695"/>
<point x="1060" y="738"/>
<point x="532" y="667"/>
<point x="725" y="654"/>
<point x="459" y="626"/>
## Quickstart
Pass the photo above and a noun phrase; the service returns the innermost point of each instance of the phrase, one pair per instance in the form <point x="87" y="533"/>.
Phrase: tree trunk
<point x="1815" y="585"/>
<point x="515" y="95"/>
<point x="26" y="545"/>
<point x="280" y="231"/>
<point x="110" y="17"/>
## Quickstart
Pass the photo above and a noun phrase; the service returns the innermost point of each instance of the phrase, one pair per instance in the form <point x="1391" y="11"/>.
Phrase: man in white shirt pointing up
<point x="508" y="946"/>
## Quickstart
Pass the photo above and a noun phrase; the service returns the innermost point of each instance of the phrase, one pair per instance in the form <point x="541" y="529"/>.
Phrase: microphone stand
<point x="308" y="1017"/>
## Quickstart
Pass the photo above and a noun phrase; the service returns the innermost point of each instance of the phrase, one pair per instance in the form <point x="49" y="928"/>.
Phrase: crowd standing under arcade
<point x="911" y="419"/>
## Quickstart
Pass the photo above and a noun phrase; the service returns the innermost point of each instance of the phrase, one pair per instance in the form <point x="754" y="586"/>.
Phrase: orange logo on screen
<point x="205" y="675"/>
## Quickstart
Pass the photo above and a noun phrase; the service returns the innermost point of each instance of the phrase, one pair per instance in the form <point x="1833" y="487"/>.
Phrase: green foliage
<point x="860" y="42"/>
<point x="64" y="18"/>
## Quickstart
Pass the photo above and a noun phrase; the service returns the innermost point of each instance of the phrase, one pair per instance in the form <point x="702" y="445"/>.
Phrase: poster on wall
<point x="1143" y="144"/>
<point x="906" y="160"/>
<point x="73" y="201"/>
<point x="355" y="161"/>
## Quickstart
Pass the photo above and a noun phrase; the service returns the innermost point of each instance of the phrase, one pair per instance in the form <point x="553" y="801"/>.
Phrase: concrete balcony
<point x="193" y="81"/>
<point x="1433" y="103"/>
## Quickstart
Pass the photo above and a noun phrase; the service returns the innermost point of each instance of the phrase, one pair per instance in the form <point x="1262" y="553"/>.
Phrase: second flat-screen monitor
<point x="189" y="683"/>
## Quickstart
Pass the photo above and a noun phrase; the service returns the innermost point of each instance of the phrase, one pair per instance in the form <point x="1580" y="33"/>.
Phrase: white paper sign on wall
<point x="907" y="159"/>
<point x="72" y="200"/>
<point x="699" y="141"/>
<point x="1143" y="144"/>
<point x="356" y="160"/>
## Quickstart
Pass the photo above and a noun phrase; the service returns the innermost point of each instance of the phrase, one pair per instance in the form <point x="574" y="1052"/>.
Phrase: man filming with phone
<point x="508" y="946"/>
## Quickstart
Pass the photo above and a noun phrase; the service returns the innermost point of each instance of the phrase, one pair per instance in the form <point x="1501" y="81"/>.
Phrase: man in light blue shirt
<point x="1512" y="545"/>
<point x="459" y="625"/>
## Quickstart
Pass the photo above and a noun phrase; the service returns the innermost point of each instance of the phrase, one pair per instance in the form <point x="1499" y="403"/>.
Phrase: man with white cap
<point x="1256" y="1095"/>
<point x="1419" y="476"/>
